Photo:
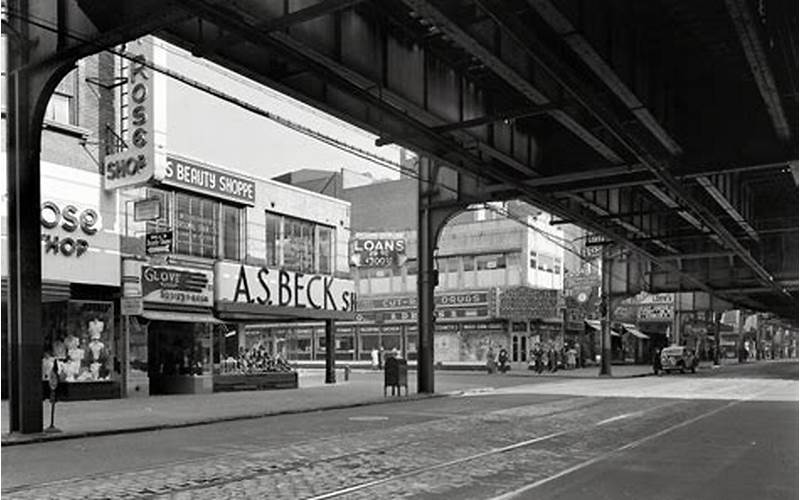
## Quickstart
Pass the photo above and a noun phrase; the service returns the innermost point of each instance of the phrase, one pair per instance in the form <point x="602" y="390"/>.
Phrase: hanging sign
<point x="147" y="209"/>
<point x="159" y="242"/>
<point x="136" y="165"/>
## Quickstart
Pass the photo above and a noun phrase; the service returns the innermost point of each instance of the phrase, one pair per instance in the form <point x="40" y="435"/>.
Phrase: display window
<point x="298" y="245"/>
<point x="262" y="352"/>
<point x="201" y="226"/>
<point x="79" y="335"/>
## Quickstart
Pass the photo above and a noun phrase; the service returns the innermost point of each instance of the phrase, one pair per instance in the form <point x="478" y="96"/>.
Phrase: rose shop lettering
<point x="129" y="166"/>
<point x="68" y="219"/>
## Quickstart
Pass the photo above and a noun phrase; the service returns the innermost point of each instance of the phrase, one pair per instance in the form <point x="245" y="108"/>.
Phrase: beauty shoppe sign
<point x="256" y="290"/>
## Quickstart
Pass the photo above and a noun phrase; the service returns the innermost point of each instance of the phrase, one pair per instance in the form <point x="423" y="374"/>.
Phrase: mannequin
<point x="97" y="354"/>
<point x="74" y="355"/>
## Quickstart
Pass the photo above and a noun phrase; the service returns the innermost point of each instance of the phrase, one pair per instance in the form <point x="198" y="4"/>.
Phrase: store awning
<point x="181" y="316"/>
<point x="631" y="328"/>
<point x="595" y="323"/>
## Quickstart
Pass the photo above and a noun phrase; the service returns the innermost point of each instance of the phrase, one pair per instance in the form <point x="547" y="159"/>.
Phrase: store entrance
<point x="180" y="357"/>
<point x="519" y="351"/>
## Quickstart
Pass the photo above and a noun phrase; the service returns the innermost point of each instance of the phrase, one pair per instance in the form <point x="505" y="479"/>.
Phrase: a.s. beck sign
<point x="267" y="287"/>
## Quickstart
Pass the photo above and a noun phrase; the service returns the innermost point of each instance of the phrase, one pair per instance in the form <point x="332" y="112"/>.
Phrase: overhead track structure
<point x="668" y="127"/>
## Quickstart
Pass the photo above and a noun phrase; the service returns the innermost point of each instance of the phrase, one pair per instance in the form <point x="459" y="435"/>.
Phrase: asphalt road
<point x="728" y="433"/>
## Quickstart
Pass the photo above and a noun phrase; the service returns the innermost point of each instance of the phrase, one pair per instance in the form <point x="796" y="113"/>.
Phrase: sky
<point x="202" y="126"/>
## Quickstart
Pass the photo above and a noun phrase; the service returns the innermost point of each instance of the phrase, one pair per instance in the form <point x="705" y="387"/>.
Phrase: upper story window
<point x="202" y="227"/>
<point x="490" y="261"/>
<point x="59" y="109"/>
<point x="299" y="245"/>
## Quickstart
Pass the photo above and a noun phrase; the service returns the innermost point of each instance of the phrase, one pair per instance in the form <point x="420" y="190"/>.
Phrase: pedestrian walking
<point x="490" y="362"/>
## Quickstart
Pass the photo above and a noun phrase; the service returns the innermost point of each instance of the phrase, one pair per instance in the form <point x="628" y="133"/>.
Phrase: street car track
<point x="569" y="432"/>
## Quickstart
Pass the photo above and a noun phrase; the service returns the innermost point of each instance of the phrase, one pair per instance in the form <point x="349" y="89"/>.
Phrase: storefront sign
<point x="522" y="303"/>
<point x="136" y="165"/>
<point x="194" y="177"/>
<point x="148" y="209"/>
<point x="457" y="299"/>
<point x="267" y="287"/>
<point x="378" y="252"/>
<point x="78" y="241"/>
<point x="160" y="242"/>
<point x="167" y="284"/>
<point x="131" y="306"/>
<point x="67" y="220"/>
<point x="173" y="285"/>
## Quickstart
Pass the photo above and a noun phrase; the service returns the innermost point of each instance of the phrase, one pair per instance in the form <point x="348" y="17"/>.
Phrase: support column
<point x="605" y="335"/>
<point x="24" y="88"/>
<point x="330" y="352"/>
<point x="426" y="241"/>
<point x="717" y="343"/>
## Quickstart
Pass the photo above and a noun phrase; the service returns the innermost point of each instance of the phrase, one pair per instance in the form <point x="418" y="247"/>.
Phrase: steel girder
<point x="434" y="75"/>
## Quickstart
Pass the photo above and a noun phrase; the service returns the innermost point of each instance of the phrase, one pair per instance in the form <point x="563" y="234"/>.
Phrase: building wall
<point x="384" y="206"/>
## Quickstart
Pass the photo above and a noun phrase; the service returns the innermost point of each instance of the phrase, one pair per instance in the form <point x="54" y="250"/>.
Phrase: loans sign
<point x="268" y="287"/>
<point x="386" y="251"/>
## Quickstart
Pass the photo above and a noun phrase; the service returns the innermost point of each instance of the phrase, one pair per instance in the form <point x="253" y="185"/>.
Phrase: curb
<point x="41" y="438"/>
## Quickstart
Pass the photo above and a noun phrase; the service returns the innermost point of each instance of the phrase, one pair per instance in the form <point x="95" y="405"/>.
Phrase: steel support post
<point x="717" y="346"/>
<point x="426" y="241"/>
<point x="605" y="335"/>
<point x="24" y="253"/>
<point x="330" y="352"/>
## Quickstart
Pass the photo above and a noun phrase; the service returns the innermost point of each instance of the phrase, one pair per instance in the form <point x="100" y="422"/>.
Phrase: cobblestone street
<point x="481" y="444"/>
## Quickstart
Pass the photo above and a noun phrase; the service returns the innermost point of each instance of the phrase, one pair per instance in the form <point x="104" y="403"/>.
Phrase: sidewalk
<point x="365" y="387"/>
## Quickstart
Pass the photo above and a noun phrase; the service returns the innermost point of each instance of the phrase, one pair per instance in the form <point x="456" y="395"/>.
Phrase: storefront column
<point x="28" y="89"/>
<point x="330" y="352"/>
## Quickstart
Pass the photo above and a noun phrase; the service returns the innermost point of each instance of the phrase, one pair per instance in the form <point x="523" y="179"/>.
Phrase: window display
<point x="299" y="245"/>
<point x="79" y="335"/>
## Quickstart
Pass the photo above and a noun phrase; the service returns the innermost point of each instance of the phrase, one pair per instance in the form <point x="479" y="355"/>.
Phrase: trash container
<point x="395" y="375"/>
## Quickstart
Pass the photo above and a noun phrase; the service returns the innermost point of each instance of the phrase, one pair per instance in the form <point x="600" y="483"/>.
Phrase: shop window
<point x="546" y="263"/>
<point x="469" y="263"/>
<point x="299" y="245"/>
<point x="79" y="335"/>
<point x="196" y="226"/>
<point x="231" y="232"/>
<point x="513" y="259"/>
<point x="163" y="223"/>
<point x="490" y="262"/>
<point x="273" y="237"/>
<point x="325" y="249"/>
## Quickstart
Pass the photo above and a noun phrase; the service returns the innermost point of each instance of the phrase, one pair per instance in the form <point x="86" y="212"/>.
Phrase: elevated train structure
<point x="666" y="127"/>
